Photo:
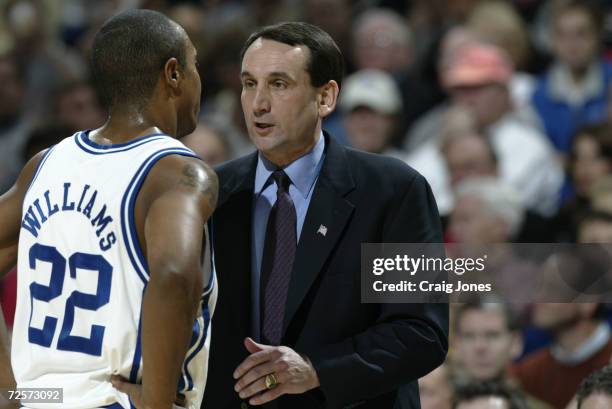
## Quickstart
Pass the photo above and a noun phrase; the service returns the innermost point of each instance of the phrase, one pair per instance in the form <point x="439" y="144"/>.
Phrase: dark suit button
<point x="243" y="405"/>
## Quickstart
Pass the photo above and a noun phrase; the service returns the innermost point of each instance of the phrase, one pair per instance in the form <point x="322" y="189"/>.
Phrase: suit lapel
<point x="233" y="222"/>
<point x="328" y="213"/>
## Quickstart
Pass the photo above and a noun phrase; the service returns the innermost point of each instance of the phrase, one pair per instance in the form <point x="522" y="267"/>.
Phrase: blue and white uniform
<point x="82" y="274"/>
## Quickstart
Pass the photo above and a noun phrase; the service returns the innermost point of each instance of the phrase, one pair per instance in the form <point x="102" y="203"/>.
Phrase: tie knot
<point x="282" y="180"/>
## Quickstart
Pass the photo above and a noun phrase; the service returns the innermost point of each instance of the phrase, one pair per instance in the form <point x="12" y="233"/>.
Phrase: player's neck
<point x="125" y="125"/>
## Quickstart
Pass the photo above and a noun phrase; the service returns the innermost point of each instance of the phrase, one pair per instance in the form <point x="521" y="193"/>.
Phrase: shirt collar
<point x="563" y="87"/>
<point x="302" y="172"/>
<point x="588" y="349"/>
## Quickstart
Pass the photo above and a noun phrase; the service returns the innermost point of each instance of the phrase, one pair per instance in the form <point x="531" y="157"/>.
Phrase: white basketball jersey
<point x="82" y="274"/>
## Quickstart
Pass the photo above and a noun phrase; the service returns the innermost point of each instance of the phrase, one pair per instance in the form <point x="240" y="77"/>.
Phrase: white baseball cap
<point x="374" y="89"/>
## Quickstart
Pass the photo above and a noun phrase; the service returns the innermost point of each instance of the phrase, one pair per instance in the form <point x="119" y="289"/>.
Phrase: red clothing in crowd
<point x="554" y="382"/>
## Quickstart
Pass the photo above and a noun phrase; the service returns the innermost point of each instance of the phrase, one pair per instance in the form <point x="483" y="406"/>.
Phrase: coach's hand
<point x="134" y="391"/>
<point x="292" y="373"/>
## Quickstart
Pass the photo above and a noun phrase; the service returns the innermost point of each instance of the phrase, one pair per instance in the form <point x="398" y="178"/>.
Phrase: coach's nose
<point x="261" y="104"/>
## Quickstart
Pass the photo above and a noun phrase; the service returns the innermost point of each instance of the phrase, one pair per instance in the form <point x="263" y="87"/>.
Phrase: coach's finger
<point x="260" y="386"/>
<point x="268" y="396"/>
<point x="268" y="354"/>
<point x="259" y="371"/>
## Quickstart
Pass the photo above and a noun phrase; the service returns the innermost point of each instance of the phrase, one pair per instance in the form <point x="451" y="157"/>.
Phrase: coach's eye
<point x="278" y="84"/>
<point x="249" y="84"/>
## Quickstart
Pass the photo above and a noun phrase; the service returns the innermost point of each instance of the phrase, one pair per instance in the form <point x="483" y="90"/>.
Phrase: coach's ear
<point x="172" y="75"/>
<point x="327" y="97"/>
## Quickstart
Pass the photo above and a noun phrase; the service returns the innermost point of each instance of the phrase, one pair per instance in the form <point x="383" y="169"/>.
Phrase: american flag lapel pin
<point x="322" y="230"/>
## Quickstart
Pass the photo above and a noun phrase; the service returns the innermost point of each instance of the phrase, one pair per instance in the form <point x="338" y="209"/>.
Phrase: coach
<point x="289" y="330"/>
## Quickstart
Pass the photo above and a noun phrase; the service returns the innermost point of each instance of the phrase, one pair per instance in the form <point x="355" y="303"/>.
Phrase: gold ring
<point x="271" y="381"/>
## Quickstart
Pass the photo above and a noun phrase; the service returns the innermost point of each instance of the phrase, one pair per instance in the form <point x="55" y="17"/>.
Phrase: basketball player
<point x="111" y="282"/>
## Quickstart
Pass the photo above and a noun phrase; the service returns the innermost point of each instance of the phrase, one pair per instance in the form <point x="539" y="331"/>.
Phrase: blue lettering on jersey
<point x="101" y="220"/>
<point x="51" y="210"/>
<point x="65" y="205"/>
<point x="30" y="222"/>
<point x="43" y="218"/>
<point x="35" y="216"/>
<point x="82" y="197"/>
<point x="90" y="205"/>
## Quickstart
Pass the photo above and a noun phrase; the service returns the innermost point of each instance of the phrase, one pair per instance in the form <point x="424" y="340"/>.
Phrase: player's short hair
<point x="597" y="382"/>
<point x="129" y="53"/>
<point x="326" y="61"/>
<point x="476" y="390"/>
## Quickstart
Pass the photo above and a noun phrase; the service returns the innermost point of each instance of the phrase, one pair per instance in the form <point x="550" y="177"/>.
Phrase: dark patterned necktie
<point x="277" y="262"/>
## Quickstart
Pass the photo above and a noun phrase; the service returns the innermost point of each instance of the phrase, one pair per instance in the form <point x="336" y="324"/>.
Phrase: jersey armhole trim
<point x="40" y="166"/>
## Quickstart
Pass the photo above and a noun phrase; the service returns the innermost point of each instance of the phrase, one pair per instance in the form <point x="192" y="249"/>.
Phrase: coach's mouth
<point x="263" y="127"/>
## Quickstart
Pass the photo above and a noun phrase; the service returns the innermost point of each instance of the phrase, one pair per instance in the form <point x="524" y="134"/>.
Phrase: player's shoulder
<point x="182" y="172"/>
<point x="183" y="168"/>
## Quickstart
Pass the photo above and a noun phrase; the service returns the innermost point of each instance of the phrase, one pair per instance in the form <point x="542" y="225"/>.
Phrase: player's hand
<point x="294" y="373"/>
<point x="4" y="404"/>
<point x="134" y="391"/>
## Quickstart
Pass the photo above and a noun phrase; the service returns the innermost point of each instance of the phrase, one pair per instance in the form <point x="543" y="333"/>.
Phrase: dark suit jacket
<point x="361" y="352"/>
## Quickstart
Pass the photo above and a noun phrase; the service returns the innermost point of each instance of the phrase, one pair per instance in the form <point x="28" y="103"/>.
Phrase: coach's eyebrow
<point x="280" y="74"/>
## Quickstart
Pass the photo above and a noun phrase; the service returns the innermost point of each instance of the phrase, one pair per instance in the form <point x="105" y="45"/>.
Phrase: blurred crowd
<point x="503" y="105"/>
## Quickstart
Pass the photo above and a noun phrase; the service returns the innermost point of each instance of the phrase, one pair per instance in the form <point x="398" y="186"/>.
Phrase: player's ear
<point x="172" y="74"/>
<point x="327" y="97"/>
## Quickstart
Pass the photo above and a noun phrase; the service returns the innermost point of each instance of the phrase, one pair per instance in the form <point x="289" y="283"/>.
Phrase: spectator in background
<point x="477" y="78"/>
<point x="43" y="137"/>
<point x="468" y="155"/>
<point x="590" y="161"/>
<point x="77" y="107"/>
<point x="581" y="345"/>
<point x="45" y="59"/>
<point x="595" y="391"/>
<point x="591" y="158"/>
<point x="223" y="110"/>
<point x="383" y="40"/>
<point x="601" y="195"/>
<point x="487" y="341"/>
<point x="486" y="211"/>
<point x="336" y="18"/>
<point x="574" y="92"/>
<point x="595" y="227"/>
<point x="209" y="143"/>
<point x="370" y="103"/>
<point x="488" y="395"/>
<point x="14" y="124"/>
<point x="498" y="22"/>
<point x="427" y="128"/>
<point x="436" y="388"/>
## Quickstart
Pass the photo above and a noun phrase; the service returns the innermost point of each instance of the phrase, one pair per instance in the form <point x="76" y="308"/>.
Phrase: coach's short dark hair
<point x="326" y="61"/>
<point x="129" y="52"/>
<point x="477" y="390"/>
<point x="597" y="382"/>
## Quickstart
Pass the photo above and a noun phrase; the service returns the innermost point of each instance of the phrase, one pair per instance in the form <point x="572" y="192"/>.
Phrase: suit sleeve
<point x="406" y="341"/>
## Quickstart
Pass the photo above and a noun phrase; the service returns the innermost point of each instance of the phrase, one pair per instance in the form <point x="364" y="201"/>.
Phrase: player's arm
<point x="10" y="222"/>
<point x="10" y="215"/>
<point x="174" y="230"/>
